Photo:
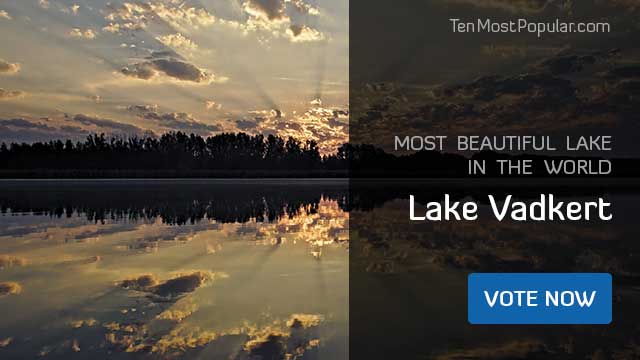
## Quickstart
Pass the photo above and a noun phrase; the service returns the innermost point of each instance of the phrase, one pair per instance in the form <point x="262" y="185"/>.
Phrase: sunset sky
<point x="72" y="67"/>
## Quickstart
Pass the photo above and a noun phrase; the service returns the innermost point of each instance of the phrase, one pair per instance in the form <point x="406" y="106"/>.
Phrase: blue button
<point x="543" y="298"/>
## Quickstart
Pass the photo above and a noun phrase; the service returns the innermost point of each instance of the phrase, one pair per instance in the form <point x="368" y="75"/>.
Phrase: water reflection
<point x="419" y="269"/>
<point x="231" y="271"/>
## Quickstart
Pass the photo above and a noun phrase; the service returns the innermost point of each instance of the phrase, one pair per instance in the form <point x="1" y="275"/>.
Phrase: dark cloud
<point x="521" y="349"/>
<point x="623" y="72"/>
<point x="562" y="95"/>
<point x="24" y="124"/>
<point x="573" y="63"/>
<point x="21" y="130"/>
<point x="245" y="125"/>
<point x="161" y="54"/>
<point x="172" y="68"/>
<point x="270" y="9"/>
<point x="172" y="288"/>
<point x="173" y="120"/>
<point x="142" y="108"/>
<point x="515" y="6"/>
<point x="110" y="127"/>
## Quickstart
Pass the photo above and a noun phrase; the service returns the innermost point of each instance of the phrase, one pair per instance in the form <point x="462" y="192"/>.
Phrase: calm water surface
<point x="174" y="269"/>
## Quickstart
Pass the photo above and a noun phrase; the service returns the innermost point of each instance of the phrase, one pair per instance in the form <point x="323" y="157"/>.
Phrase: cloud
<point x="178" y="312"/>
<point x="521" y="349"/>
<point x="10" y="288"/>
<point x="172" y="69"/>
<point x="24" y="124"/>
<point x="179" y="16"/>
<point x="269" y="18"/>
<point x="109" y="126"/>
<point x="246" y="125"/>
<point x="5" y="15"/>
<point x="21" y="130"/>
<point x="595" y="89"/>
<point x="7" y="261"/>
<point x="140" y="283"/>
<point x="76" y="324"/>
<point x="303" y="33"/>
<point x="142" y="108"/>
<point x="7" y="68"/>
<point x="11" y="94"/>
<point x="329" y="127"/>
<point x="116" y="28"/>
<point x="269" y="10"/>
<point x="211" y="105"/>
<point x="304" y="321"/>
<point x="172" y="288"/>
<point x="78" y="33"/>
<point x="629" y="5"/>
<point x="303" y="7"/>
<point x="514" y="6"/>
<point x="178" y="41"/>
<point x="179" y="121"/>
<point x="519" y="51"/>
<point x="273" y="18"/>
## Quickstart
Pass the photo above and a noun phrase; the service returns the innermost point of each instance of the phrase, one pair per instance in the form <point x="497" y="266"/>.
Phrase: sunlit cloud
<point x="178" y="41"/>
<point x="212" y="105"/>
<point x="7" y="261"/>
<point x="7" y="68"/>
<point x="116" y="28"/>
<point x="179" y="311"/>
<point x="271" y="17"/>
<point x="303" y="33"/>
<point x="11" y="94"/>
<point x="77" y="33"/>
<point x="76" y="324"/>
<point x="5" y="342"/>
<point x="329" y="127"/>
<point x="304" y="7"/>
<point x="5" y="15"/>
<point x="132" y="52"/>
<point x="177" y="15"/>
<point x="10" y="288"/>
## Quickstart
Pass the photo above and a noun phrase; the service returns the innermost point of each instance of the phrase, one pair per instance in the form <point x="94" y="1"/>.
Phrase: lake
<point x="293" y="269"/>
<point x="192" y="269"/>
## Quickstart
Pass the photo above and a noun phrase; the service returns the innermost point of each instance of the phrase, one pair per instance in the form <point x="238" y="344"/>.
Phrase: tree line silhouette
<point x="177" y="154"/>
<point x="175" y="202"/>
<point x="176" y="151"/>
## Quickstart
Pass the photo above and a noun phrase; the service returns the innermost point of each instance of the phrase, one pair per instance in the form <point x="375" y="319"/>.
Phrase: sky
<point x="432" y="81"/>
<point x="73" y="67"/>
